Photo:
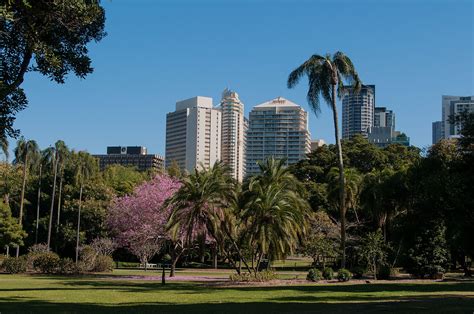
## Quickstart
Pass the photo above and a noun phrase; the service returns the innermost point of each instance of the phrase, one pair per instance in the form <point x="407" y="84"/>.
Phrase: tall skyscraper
<point x="437" y="131"/>
<point x="277" y="128"/>
<point x="193" y="134"/>
<point x="452" y="106"/>
<point x="232" y="133"/>
<point x="384" y="117"/>
<point x="358" y="111"/>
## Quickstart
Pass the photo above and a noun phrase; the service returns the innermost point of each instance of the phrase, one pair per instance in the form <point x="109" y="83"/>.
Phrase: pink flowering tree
<point x="139" y="221"/>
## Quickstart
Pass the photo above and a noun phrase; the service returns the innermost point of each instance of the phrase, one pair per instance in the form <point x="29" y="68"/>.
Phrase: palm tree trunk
<point x="22" y="201"/>
<point x="342" y="209"/>
<point x="79" y="222"/>
<point x="59" y="203"/>
<point x="51" y="212"/>
<point x="38" y="206"/>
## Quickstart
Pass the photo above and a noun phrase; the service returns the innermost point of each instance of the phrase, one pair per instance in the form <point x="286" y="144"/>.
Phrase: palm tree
<point x="38" y="201"/>
<point x="83" y="170"/>
<point x="200" y="205"/>
<point x="326" y="77"/>
<point x="274" y="212"/>
<point x="26" y="153"/>
<point x="63" y="154"/>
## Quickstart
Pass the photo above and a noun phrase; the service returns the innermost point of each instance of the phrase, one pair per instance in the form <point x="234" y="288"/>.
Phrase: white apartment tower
<point x="193" y="134"/>
<point x="277" y="128"/>
<point x="233" y="133"/>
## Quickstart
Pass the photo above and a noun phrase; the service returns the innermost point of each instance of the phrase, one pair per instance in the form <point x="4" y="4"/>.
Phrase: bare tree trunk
<point x="79" y="221"/>
<point x="22" y="201"/>
<point x="51" y="212"/>
<point x="214" y="253"/>
<point x="342" y="205"/>
<point x="38" y="205"/>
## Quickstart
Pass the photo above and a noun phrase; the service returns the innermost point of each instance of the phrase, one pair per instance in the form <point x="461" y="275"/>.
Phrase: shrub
<point x="2" y="258"/>
<point x="68" y="267"/>
<point x="386" y="272"/>
<point x="103" y="263"/>
<point x="261" y="276"/>
<point x="314" y="275"/>
<point x="87" y="255"/>
<point x="343" y="275"/>
<point x="358" y="271"/>
<point x="34" y="251"/>
<point x="328" y="273"/>
<point x="14" y="265"/>
<point x="47" y="262"/>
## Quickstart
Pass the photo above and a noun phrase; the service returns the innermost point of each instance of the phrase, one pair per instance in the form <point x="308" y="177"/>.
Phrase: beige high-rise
<point x="232" y="133"/>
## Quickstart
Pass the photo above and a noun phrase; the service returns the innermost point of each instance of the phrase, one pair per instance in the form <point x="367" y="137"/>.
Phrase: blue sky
<point x="159" y="52"/>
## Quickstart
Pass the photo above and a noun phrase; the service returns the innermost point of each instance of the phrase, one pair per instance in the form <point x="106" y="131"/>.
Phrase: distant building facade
<point x="193" y="134"/>
<point x="437" y="131"/>
<point x="317" y="143"/>
<point x="383" y="133"/>
<point x="233" y="134"/>
<point x="453" y="106"/>
<point x="130" y="156"/>
<point x="358" y="111"/>
<point x="277" y="128"/>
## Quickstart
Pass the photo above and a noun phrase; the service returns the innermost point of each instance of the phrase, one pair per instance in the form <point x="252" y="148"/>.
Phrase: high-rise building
<point x="133" y="156"/>
<point x="358" y="111"/>
<point x="193" y="134"/>
<point x="383" y="133"/>
<point x="277" y="128"/>
<point x="452" y="106"/>
<point x="232" y="133"/>
<point x="437" y="131"/>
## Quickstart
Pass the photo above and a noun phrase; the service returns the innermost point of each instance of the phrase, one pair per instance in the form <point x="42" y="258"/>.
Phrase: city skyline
<point x="135" y="91"/>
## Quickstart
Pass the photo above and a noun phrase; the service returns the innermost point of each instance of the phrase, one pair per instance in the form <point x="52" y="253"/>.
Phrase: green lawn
<point x="50" y="294"/>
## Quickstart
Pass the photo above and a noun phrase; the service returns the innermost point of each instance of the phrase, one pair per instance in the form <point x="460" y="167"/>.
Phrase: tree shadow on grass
<point x="436" y="305"/>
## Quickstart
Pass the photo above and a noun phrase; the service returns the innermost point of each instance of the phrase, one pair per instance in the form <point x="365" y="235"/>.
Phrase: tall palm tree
<point x="274" y="212"/>
<point x="26" y="153"/>
<point x="38" y="201"/>
<point x="83" y="170"/>
<point x="63" y="154"/>
<point x="200" y="206"/>
<point x="326" y="76"/>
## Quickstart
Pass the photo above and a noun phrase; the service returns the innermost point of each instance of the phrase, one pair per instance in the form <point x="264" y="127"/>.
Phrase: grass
<point x="96" y="294"/>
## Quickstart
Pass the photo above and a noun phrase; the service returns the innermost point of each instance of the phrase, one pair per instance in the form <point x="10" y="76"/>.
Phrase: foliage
<point x="138" y="221"/>
<point x="10" y="230"/>
<point x="67" y="267"/>
<point x="103" y="263"/>
<point x="123" y="180"/>
<point x="328" y="273"/>
<point x="104" y="246"/>
<point x="15" y="265"/>
<point x="373" y="250"/>
<point x="87" y="256"/>
<point x="358" y="271"/>
<point x="429" y="255"/>
<point x="314" y="275"/>
<point x="386" y="272"/>
<point x="47" y="262"/>
<point x="53" y="35"/>
<point x="344" y="275"/>
<point x="322" y="239"/>
<point x="262" y="276"/>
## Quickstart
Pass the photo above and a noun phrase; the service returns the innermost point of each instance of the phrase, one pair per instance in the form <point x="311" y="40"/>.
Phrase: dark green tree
<point x="44" y="36"/>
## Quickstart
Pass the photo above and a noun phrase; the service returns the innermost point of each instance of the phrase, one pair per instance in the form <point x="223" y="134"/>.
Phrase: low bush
<point x="358" y="271"/>
<point x="87" y="255"/>
<point x="328" y="273"/>
<point x="343" y="275"/>
<point x="47" y="262"/>
<point x="103" y="263"/>
<point x="314" y="275"/>
<point x="261" y="276"/>
<point x="14" y="265"/>
<point x="68" y="267"/>
<point x="386" y="272"/>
